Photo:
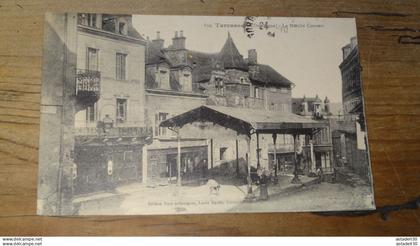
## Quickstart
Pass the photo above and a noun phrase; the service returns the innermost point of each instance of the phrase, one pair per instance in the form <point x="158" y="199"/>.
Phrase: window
<point x="242" y="80"/>
<point x="92" y="59"/>
<point x="220" y="87"/>
<point x="164" y="79"/>
<point x="122" y="28"/>
<point x="91" y="113"/>
<point x="121" y="65"/>
<point x="256" y="92"/>
<point x="186" y="81"/>
<point x="121" y="110"/>
<point x="91" y="20"/>
<point x="160" y="131"/>
<point x="87" y="19"/>
<point x="222" y="152"/>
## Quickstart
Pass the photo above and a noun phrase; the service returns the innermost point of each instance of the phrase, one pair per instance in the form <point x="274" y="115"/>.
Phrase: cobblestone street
<point x="165" y="199"/>
<point x="316" y="197"/>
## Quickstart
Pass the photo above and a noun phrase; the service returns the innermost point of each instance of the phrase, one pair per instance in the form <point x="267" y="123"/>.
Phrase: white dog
<point x="214" y="187"/>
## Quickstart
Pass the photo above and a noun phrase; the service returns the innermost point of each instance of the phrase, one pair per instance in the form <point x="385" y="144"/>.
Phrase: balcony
<point x="88" y="86"/>
<point x="113" y="132"/>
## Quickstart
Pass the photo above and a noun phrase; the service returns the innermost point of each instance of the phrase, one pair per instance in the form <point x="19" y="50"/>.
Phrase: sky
<point x="307" y="51"/>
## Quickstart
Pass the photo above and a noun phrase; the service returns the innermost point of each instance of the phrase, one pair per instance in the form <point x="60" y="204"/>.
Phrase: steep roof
<point x="132" y="32"/>
<point x="203" y="64"/>
<point x="151" y="81"/>
<point x="265" y="74"/>
<point x="155" y="55"/>
<point x="230" y="56"/>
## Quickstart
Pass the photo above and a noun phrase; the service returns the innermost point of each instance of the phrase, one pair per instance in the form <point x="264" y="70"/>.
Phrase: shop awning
<point x="247" y="121"/>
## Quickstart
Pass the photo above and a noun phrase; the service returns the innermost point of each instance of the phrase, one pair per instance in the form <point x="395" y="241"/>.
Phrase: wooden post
<point x="237" y="158"/>
<point x="275" y="154"/>
<point x="170" y="171"/>
<point x="311" y="143"/>
<point x="295" y="179"/>
<point x="178" y="162"/>
<point x="250" y="195"/>
<point x="211" y="153"/>
<point x="258" y="151"/>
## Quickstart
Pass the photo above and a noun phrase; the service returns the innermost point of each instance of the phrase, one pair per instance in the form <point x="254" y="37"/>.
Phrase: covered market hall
<point x="247" y="124"/>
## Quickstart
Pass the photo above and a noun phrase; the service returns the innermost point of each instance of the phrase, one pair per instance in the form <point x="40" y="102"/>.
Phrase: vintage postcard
<point x="201" y="114"/>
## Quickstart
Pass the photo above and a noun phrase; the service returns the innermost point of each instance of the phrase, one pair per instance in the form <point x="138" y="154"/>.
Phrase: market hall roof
<point x="245" y="120"/>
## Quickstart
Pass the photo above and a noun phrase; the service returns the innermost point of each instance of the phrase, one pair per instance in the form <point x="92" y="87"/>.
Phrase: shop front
<point x="101" y="164"/>
<point x="163" y="168"/>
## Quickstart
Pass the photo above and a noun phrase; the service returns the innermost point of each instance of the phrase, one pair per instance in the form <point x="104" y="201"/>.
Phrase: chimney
<point x="158" y="42"/>
<point x="252" y="57"/>
<point x="178" y="42"/>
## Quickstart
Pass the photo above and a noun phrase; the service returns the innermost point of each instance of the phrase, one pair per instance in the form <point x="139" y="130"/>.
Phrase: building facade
<point x="109" y="123"/>
<point x="349" y="135"/>
<point x="179" y="79"/>
<point x="319" y="149"/>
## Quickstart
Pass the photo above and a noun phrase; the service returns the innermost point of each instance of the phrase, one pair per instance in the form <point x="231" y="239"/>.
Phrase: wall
<point x="173" y="104"/>
<point x="57" y="112"/>
<point x="279" y="99"/>
<point x="351" y="85"/>
<point x="131" y="89"/>
<point x="357" y="159"/>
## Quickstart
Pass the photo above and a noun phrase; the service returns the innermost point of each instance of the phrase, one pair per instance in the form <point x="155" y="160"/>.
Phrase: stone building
<point x="109" y="121"/>
<point x="349" y="135"/>
<point x="351" y="82"/>
<point x="319" y="148"/>
<point x="179" y="79"/>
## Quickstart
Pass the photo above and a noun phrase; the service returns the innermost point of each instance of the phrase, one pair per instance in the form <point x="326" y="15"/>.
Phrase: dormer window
<point x="186" y="80"/>
<point x="87" y="19"/>
<point x="163" y="79"/>
<point x="122" y="28"/>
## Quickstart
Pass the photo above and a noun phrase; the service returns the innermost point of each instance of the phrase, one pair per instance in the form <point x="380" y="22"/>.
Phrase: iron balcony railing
<point x="88" y="83"/>
<point x="114" y="131"/>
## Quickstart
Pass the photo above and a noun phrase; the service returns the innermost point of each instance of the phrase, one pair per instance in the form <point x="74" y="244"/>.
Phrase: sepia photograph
<point x="153" y="114"/>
